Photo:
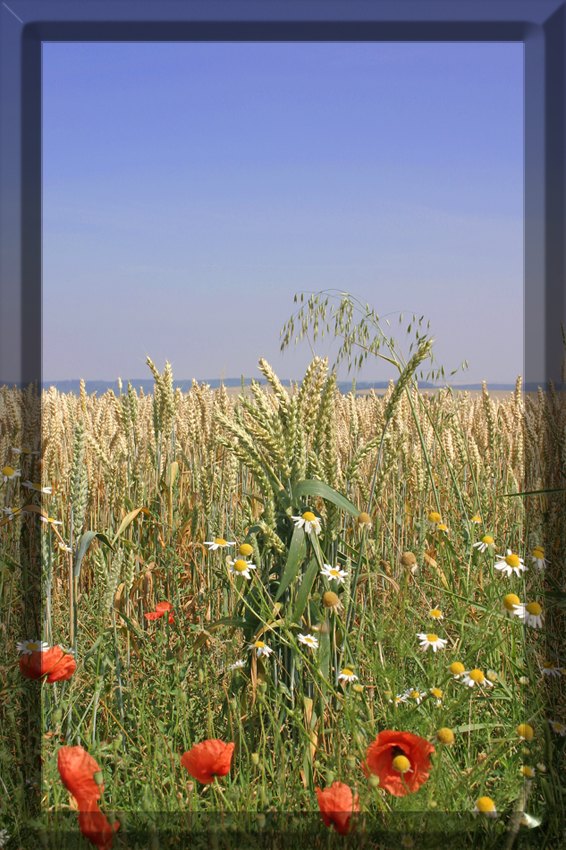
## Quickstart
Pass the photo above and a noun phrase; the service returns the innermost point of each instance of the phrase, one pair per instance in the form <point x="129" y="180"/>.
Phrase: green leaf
<point x="311" y="487"/>
<point x="128" y="519"/>
<point x="295" y="557"/>
<point x="84" y="543"/>
<point x="304" y="590"/>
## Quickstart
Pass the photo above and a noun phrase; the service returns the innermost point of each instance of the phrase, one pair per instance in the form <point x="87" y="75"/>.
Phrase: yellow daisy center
<point x="432" y="638"/>
<point x="476" y="518"/>
<point x="442" y="526"/>
<point x="534" y="608"/>
<point x="512" y="560"/>
<point x="401" y="764"/>
<point x="538" y="552"/>
<point x="510" y="600"/>
<point x="7" y="470"/>
<point x="358" y="688"/>
<point x="434" y="516"/>
<point x="487" y="538"/>
<point x="346" y="672"/>
<point x="259" y="644"/>
<point x="330" y="599"/>
<point x="33" y="646"/>
<point x="437" y="692"/>
<point x="220" y="541"/>
<point x="308" y="516"/>
<point x="364" y="519"/>
<point x="414" y="694"/>
<point x="477" y="675"/>
<point x="240" y="565"/>
<point x="526" y="731"/>
<point x="445" y="735"/>
<point x="245" y="549"/>
<point x="527" y="771"/>
<point x="456" y="668"/>
<point x="436" y="613"/>
<point x="485" y="804"/>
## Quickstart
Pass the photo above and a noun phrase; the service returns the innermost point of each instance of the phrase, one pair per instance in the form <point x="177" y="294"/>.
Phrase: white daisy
<point x="398" y="699"/>
<point x="510" y="604"/>
<point x="30" y="485"/>
<point x="347" y="675"/>
<point x="510" y="563"/>
<point x="476" y="519"/>
<point x="485" y="806"/>
<point x="50" y="520"/>
<point x="10" y="512"/>
<point x="309" y="521"/>
<point x="261" y="648"/>
<point x="26" y="647"/>
<point x="218" y="543"/>
<point x="530" y="821"/>
<point x="241" y="568"/>
<point x="434" y="518"/>
<point x="237" y="665"/>
<point x="559" y="728"/>
<point x="538" y="559"/>
<point x="436" y="614"/>
<point x="333" y="573"/>
<point x="431" y="640"/>
<point x="63" y="547"/>
<point x="475" y="677"/>
<point x="487" y="542"/>
<point x="9" y="473"/>
<point x="415" y="695"/>
<point x="550" y="668"/>
<point x="531" y="613"/>
<point x="438" y="695"/>
<point x="308" y="640"/>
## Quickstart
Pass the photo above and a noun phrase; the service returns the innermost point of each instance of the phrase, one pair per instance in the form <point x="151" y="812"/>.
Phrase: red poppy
<point x="77" y="770"/>
<point x="160" y="609"/>
<point x="402" y="778"/>
<point x="208" y="759"/>
<point x="336" y="805"/>
<point x="95" y="826"/>
<point x="54" y="663"/>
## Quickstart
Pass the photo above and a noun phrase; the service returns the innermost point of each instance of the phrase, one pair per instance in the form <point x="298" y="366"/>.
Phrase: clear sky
<point x="189" y="190"/>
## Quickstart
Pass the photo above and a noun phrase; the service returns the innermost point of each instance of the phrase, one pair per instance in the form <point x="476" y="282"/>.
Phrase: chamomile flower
<point x="333" y="573"/>
<point x="308" y="640"/>
<point x="510" y="563"/>
<point x="409" y="561"/>
<point x="442" y="527"/>
<point x="10" y="512"/>
<point x="457" y="669"/>
<point x="486" y="542"/>
<point x="538" y="559"/>
<point x="237" y="665"/>
<point x="37" y="487"/>
<point x="475" y="677"/>
<point x="511" y="603"/>
<point x="436" y="614"/>
<point x="25" y="451"/>
<point x="218" y="543"/>
<point x="260" y="648"/>
<point x="241" y="568"/>
<point x="432" y="641"/>
<point x="531" y="614"/>
<point x="530" y="821"/>
<point x="525" y="732"/>
<point x="64" y="547"/>
<point x="364" y="520"/>
<point x="476" y="519"/>
<point x="309" y="521"/>
<point x="9" y="473"/>
<point x="415" y="695"/>
<point x="26" y="647"/>
<point x="486" y="806"/>
<point x="434" y="518"/>
<point x="528" y="771"/>
<point x="396" y="700"/>
<point x="347" y="675"/>
<point x="438" y="695"/>
<point x="49" y="520"/>
<point x="558" y="727"/>
<point x="550" y="668"/>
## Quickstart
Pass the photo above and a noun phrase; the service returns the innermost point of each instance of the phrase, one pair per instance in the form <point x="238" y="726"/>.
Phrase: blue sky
<point x="189" y="190"/>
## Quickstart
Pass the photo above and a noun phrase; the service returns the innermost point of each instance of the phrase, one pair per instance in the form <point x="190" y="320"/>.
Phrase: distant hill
<point x="146" y="384"/>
